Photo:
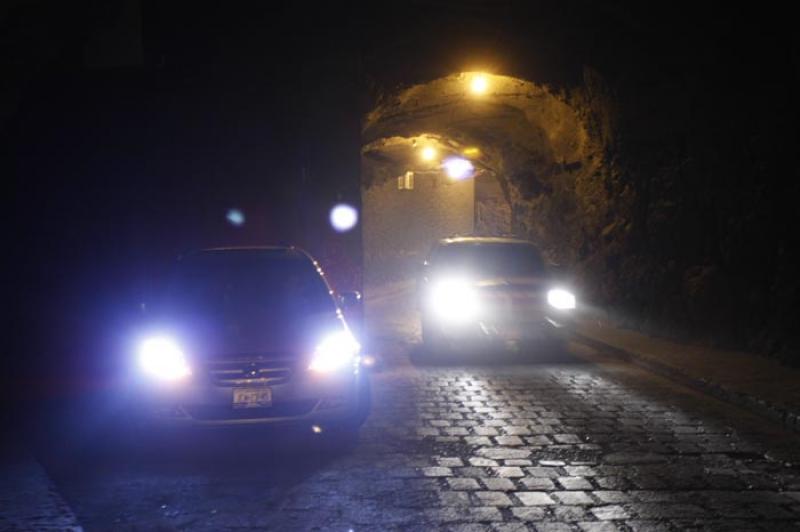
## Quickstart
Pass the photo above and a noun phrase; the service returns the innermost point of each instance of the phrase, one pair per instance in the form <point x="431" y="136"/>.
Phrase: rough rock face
<point x="698" y="220"/>
<point x="492" y="208"/>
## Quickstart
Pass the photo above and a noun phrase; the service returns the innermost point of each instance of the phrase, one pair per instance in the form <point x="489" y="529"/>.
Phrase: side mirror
<point x="349" y="300"/>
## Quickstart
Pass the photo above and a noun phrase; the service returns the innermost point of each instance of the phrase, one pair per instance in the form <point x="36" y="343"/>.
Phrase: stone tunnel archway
<point x="535" y="157"/>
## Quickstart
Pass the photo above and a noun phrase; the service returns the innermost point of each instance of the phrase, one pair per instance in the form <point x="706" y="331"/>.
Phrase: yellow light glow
<point x="428" y="153"/>
<point x="479" y="84"/>
<point x="472" y="151"/>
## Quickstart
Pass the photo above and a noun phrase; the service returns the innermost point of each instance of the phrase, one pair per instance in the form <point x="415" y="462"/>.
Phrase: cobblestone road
<point x="587" y="444"/>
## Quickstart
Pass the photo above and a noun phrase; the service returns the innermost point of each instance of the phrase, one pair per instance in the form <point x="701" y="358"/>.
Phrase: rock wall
<point x="492" y="207"/>
<point x="680" y="223"/>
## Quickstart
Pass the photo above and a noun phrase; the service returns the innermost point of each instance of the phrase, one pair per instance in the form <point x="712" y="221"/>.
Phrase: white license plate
<point x="252" y="397"/>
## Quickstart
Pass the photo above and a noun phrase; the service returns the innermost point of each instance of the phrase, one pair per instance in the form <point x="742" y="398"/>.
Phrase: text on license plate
<point x="252" y="397"/>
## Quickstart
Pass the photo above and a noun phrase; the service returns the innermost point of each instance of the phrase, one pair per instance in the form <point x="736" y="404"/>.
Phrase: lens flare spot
<point x="235" y="217"/>
<point x="343" y="217"/>
<point x="458" y="168"/>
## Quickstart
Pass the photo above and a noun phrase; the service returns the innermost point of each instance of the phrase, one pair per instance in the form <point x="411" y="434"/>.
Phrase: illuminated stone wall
<point x="399" y="226"/>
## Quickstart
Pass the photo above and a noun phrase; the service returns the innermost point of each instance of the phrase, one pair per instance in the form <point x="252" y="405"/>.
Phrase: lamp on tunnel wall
<point x="479" y="84"/>
<point x="428" y="153"/>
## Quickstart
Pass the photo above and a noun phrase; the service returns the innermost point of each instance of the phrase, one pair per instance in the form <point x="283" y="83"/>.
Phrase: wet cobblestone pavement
<point x="584" y="444"/>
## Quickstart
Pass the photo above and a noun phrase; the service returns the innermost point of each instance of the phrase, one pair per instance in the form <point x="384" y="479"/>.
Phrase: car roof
<point x="482" y="240"/>
<point x="273" y="251"/>
<point x="246" y="248"/>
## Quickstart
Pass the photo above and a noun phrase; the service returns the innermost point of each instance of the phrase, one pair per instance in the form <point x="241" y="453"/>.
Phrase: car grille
<point x="287" y="409"/>
<point x="514" y="305"/>
<point x="249" y="372"/>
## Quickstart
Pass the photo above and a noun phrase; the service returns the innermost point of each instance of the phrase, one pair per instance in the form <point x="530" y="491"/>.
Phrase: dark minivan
<point x="250" y="336"/>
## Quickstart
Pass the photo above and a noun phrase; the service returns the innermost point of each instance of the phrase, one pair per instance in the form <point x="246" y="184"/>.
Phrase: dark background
<point x="129" y="128"/>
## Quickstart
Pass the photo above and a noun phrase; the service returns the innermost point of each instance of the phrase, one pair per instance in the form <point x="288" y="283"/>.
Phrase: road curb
<point x="787" y="417"/>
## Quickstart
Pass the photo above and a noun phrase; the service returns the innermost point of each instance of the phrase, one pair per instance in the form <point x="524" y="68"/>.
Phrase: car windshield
<point x="489" y="258"/>
<point x="248" y="284"/>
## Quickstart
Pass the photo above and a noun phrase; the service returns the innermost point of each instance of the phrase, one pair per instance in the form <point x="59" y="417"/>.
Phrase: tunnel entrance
<point x="528" y="148"/>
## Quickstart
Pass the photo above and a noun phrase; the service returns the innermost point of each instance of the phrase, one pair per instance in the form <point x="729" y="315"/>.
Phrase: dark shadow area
<point x="90" y="457"/>
<point x="234" y="452"/>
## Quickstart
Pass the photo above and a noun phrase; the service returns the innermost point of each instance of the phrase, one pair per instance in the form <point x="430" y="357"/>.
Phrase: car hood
<point x="511" y="283"/>
<point x="250" y="336"/>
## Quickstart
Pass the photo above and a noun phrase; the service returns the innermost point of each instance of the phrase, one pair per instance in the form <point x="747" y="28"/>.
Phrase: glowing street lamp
<point x="479" y="84"/>
<point x="428" y="153"/>
<point x="458" y="168"/>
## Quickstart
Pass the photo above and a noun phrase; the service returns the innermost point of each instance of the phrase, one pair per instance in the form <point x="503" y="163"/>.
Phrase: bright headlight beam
<point x="561" y="299"/>
<point x="335" y="352"/>
<point x="162" y="358"/>
<point x="454" y="300"/>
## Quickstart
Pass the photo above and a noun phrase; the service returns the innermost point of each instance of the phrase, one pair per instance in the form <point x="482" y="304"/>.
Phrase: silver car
<point x="478" y="292"/>
<point x="250" y="336"/>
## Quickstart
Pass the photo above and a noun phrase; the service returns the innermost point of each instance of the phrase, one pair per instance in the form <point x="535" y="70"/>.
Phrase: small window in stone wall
<point x="405" y="181"/>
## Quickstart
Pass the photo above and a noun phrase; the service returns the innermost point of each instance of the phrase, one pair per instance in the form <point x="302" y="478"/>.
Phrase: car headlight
<point x="454" y="300"/>
<point x="162" y="358"/>
<point x="334" y="352"/>
<point x="561" y="299"/>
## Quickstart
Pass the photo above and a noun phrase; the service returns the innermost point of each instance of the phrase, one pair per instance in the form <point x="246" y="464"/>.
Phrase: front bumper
<point x="313" y="399"/>
<point x="502" y="332"/>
